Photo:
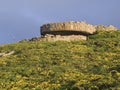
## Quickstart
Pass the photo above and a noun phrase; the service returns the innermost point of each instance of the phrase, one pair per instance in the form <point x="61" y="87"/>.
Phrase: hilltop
<point x="92" y="64"/>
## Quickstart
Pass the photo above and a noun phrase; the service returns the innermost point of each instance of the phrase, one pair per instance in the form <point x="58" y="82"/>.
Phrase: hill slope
<point x="79" y="65"/>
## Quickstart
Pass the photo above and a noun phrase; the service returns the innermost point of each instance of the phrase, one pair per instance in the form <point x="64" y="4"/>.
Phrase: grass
<point x="78" y="65"/>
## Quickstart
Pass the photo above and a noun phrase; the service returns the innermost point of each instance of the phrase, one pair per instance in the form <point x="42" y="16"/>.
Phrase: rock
<point x="2" y="54"/>
<point x="110" y="27"/>
<point x="7" y="54"/>
<point x="105" y="28"/>
<point x="35" y="39"/>
<point x="10" y="53"/>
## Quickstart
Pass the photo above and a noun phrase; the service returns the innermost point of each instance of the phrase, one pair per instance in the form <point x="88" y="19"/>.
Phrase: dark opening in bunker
<point x="65" y="33"/>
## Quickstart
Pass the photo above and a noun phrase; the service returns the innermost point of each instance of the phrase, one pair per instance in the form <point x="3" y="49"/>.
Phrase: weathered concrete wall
<point x="50" y="37"/>
<point x="68" y="26"/>
<point x="64" y="38"/>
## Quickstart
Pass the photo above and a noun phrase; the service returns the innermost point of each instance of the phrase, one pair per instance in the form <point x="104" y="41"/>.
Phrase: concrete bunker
<point x="69" y="31"/>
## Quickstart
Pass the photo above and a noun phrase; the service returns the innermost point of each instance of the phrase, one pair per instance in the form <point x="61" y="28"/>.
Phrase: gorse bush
<point x="77" y="65"/>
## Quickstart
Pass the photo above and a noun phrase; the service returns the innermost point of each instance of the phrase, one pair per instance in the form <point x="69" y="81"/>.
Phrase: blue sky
<point x="21" y="19"/>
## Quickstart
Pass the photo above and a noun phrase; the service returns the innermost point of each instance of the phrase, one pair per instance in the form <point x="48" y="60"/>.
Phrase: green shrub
<point x="78" y="65"/>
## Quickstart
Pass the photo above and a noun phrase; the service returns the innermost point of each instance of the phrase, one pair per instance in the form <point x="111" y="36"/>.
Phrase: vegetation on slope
<point x="79" y="65"/>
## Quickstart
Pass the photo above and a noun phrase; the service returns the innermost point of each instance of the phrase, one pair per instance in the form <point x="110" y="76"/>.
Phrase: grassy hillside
<point x="79" y="65"/>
